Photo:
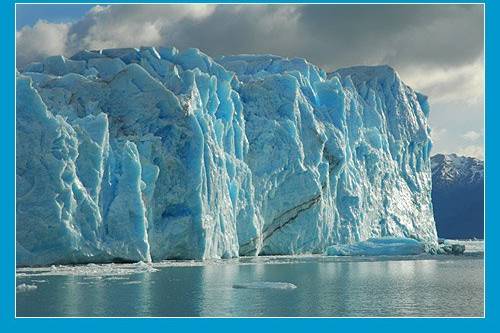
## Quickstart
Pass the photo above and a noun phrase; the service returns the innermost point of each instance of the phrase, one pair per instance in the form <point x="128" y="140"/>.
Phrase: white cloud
<point x="438" y="134"/>
<point x="42" y="40"/>
<point x="472" y="150"/>
<point x="471" y="135"/>
<point x="105" y="27"/>
<point x="463" y="83"/>
<point x="120" y="35"/>
<point x="98" y="9"/>
<point x="125" y="26"/>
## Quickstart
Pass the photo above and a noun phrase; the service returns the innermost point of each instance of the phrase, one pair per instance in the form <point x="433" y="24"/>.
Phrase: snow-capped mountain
<point x="152" y="154"/>
<point x="449" y="169"/>
<point x="458" y="196"/>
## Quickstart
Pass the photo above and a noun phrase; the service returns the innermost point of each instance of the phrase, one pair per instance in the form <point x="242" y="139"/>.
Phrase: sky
<point x="437" y="49"/>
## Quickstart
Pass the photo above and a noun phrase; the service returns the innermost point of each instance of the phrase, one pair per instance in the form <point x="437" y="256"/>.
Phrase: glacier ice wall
<point x="151" y="153"/>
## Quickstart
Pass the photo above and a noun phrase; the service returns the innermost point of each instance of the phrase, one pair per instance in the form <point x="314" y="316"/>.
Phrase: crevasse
<point x="151" y="154"/>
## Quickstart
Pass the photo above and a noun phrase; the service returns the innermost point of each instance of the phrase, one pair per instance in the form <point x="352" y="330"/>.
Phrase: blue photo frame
<point x="9" y="323"/>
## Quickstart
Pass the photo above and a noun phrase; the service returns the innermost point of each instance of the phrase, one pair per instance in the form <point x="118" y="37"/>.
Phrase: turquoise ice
<point x="151" y="154"/>
<point x="384" y="246"/>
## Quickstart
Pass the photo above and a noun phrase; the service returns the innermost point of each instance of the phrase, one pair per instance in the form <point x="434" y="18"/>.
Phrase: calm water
<point x="411" y="286"/>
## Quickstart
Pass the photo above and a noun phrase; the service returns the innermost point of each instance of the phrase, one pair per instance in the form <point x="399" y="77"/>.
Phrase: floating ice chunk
<point x="447" y="248"/>
<point x="25" y="287"/>
<point x="90" y="270"/>
<point x="265" y="285"/>
<point x="133" y="282"/>
<point x="116" y="278"/>
<point x="142" y="266"/>
<point x="473" y="246"/>
<point x="378" y="247"/>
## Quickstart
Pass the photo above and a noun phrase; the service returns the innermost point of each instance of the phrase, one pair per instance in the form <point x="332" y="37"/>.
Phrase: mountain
<point x="151" y="154"/>
<point x="458" y="196"/>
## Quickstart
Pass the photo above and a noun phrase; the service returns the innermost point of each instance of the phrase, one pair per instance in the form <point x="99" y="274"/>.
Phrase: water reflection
<point x="324" y="288"/>
<point x="217" y="294"/>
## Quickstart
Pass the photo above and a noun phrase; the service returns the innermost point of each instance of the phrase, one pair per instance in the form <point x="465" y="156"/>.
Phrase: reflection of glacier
<point x="139" y="154"/>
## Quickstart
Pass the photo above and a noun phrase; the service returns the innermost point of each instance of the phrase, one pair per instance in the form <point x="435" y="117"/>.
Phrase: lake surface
<point x="264" y="286"/>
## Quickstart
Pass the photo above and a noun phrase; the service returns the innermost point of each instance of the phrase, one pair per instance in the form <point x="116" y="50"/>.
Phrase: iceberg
<point x="385" y="246"/>
<point x="147" y="154"/>
<point x="266" y="285"/>
<point x="23" y="287"/>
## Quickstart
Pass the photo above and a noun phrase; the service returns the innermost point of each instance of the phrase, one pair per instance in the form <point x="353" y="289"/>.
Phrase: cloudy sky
<point x="437" y="49"/>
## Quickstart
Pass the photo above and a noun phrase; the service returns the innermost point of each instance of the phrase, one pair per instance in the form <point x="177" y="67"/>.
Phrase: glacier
<point x="147" y="154"/>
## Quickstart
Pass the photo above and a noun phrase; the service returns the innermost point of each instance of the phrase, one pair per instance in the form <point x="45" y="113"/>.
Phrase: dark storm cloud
<point x="242" y="29"/>
<point x="405" y="34"/>
<point x="328" y="35"/>
<point x="437" y="49"/>
<point x="341" y="35"/>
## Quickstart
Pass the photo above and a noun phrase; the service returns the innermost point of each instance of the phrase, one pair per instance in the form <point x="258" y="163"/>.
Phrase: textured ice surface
<point x="151" y="154"/>
<point x="378" y="247"/>
<point x="88" y="270"/>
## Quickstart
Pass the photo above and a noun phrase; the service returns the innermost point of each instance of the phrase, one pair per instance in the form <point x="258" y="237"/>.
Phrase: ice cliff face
<point x="140" y="154"/>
